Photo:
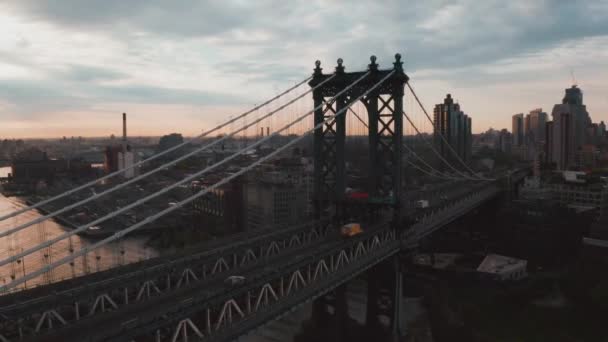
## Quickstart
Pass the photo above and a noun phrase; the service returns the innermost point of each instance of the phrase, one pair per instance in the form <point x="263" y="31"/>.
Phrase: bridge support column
<point x="330" y="315"/>
<point x="384" y="296"/>
<point x="329" y="141"/>
<point x="396" y="330"/>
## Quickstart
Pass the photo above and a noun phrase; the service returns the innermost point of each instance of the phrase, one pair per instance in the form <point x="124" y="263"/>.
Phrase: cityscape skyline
<point x="74" y="72"/>
<point x="319" y="170"/>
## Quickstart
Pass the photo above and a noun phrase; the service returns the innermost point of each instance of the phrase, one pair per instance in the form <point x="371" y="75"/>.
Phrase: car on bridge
<point x="235" y="280"/>
<point x="422" y="204"/>
<point x="351" y="229"/>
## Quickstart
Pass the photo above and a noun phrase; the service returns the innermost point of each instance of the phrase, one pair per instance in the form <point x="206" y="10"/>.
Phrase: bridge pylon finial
<point x="318" y="71"/>
<point x="373" y="66"/>
<point x="398" y="63"/>
<point x="340" y="67"/>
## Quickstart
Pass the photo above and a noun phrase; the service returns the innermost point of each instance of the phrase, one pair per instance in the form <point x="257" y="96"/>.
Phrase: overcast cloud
<point x="59" y="58"/>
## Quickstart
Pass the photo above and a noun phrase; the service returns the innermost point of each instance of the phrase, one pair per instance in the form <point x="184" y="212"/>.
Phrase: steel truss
<point x="231" y="315"/>
<point x="68" y="308"/>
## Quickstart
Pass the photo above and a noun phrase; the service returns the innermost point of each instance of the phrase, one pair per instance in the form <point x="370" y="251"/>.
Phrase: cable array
<point x="153" y="157"/>
<point x="225" y="180"/>
<point x="145" y="199"/>
<point x="160" y="168"/>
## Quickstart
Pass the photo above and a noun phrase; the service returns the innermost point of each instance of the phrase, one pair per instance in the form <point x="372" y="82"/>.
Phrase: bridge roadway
<point x="125" y="273"/>
<point x="47" y="297"/>
<point x="125" y="313"/>
<point x="118" y="325"/>
<point x="27" y="316"/>
<point x="19" y="308"/>
<point x="54" y="300"/>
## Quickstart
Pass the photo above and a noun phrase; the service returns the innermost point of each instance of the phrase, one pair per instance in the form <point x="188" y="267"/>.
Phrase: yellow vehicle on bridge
<point x="351" y="229"/>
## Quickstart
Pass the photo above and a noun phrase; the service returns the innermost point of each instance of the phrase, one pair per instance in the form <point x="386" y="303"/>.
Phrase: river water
<point x="129" y="250"/>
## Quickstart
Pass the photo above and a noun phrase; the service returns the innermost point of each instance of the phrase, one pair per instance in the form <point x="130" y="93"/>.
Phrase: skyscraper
<point x="570" y="122"/>
<point x="537" y="126"/>
<point x="534" y="134"/>
<point x="455" y="126"/>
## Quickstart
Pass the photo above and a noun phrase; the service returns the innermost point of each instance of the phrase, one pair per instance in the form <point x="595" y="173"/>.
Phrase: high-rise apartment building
<point x="455" y="127"/>
<point x="537" y="126"/>
<point x="534" y="134"/>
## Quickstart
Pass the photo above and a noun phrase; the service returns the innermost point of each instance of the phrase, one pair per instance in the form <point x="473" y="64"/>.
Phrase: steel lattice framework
<point x="211" y="311"/>
<point x="64" y="308"/>
<point x="227" y="316"/>
<point x="384" y="108"/>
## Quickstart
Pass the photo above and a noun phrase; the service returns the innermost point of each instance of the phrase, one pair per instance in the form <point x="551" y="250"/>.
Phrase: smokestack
<point x="262" y="132"/>
<point x="124" y="140"/>
<point x="124" y="127"/>
<point x="267" y="131"/>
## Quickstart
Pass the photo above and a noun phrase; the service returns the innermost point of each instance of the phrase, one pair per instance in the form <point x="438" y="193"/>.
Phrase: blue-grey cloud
<point x="276" y="42"/>
<point x="35" y="98"/>
<point x="87" y="73"/>
<point x="483" y="32"/>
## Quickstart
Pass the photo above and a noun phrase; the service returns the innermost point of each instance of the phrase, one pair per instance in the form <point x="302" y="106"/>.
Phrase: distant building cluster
<point x="570" y="141"/>
<point x="33" y="166"/>
<point x="9" y="148"/>
<point x="529" y="133"/>
<point x="452" y="131"/>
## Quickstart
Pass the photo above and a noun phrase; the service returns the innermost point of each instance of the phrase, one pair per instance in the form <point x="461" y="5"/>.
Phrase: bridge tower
<point x="384" y="108"/>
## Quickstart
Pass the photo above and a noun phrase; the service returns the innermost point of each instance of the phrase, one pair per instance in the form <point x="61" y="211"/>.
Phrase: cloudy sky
<point x="70" y="67"/>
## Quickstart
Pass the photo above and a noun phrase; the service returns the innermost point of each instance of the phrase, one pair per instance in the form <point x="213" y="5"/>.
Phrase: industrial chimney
<point x="124" y="140"/>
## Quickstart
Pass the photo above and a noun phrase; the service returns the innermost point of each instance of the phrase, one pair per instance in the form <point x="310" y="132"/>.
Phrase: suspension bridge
<point x="183" y="296"/>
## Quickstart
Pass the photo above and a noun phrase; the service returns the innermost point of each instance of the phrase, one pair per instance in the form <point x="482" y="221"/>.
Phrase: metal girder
<point x="181" y="331"/>
<point x="48" y="317"/>
<point x="147" y="289"/>
<point x="100" y="302"/>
